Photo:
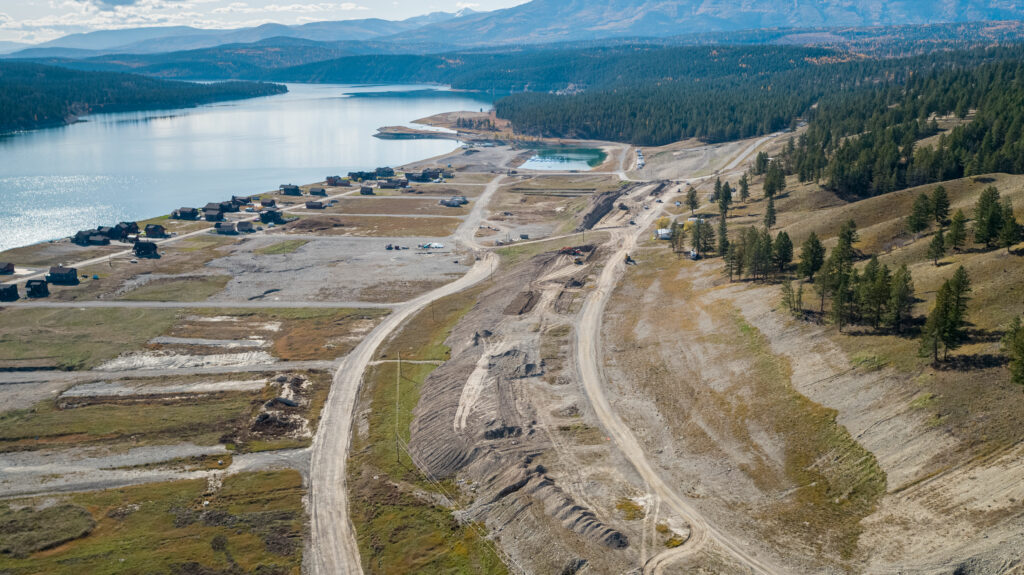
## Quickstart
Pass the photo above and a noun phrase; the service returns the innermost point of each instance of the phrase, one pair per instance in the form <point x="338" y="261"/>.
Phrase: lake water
<point x="566" y="159"/>
<point x="133" y="166"/>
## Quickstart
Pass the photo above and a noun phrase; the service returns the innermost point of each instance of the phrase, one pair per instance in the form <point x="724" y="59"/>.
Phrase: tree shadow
<point x="973" y="362"/>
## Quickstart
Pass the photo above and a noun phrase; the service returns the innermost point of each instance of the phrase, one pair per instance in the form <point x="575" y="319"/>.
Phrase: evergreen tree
<point x="1013" y="346"/>
<point x="760" y="163"/>
<point x="957" y="231"/>
<point x="774" y="180"/>
<point x="812" y="256"/>
<point x="782" y="251"/>
<point x="769" y="213"/>
<point x="847" y="237"/>
<point x="877" y="285"/>
<point x="691" y="199"/>
<point x="988" y="217"/>
<point x="744" y="187"/>
<point x="731" y="261"/>
<point x="920" y="214"/>
<point x="678" y="237"/>
<point x="1009" y="233"/>
<point x="702" y="237"/>
<point x="718" y="190"/>
<point x="937" y="248"/>
<point x="725" y="196"/>
<point x="959" y="286"/>
<point x="940" y="205"/>
<point x="936" y="328"/>
<point x="723" y="231"/>
<point x="901" y="299"/>
<point x="842" y="299"/>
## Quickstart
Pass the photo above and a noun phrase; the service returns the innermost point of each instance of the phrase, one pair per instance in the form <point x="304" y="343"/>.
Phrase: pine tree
<point x="691" y="199"/>
<point x="878" y="292"/>
<point x="774" y="180"/>
<point x="769" y="213"/>
<point x="959" y="286"/>
<point x="1013" y="346"/>
<point x="1009" y="233"/>
<point x="842" y="299"/>
<point x="988" y="217"/>
<point x="725" y="196"/>
<point x="744" y="187"/>
<point x="718" y="190"/>
<point x="787" y="296"/>
<point x="936" y="328"/>
<point x="812" y="256"/>
<point x="940" y="205"/>
<point x="760" y="163"/>
<point x="901" y="299"/>
<point x="731" y="261"/>
<point x="957" y="235"/>
<point x="920" y="214"/>
<point x="782" y="251"/>
<point x="937" y="248"/>
<point x="723" y="230"/>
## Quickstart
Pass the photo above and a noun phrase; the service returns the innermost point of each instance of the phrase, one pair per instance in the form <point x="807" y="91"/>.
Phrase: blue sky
<point x="40" y="20"/>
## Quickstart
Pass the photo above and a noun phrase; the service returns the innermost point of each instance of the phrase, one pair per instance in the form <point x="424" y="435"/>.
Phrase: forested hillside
<point x="33" y="96"/>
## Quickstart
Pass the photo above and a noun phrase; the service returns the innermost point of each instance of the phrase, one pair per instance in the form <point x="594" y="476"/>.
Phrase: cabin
<point x="427" y="175"/>
<point x="389" y="185"/>
<point x="272" y="217"/>
<point x="291" y="190"/>
<point x="129" y="228"/>
<point x="106" y="231"/>
<point x="213" y="215"/>
<point x="337" y="181"/>
<point x="37" y="288"/>
<point x="447" y="175"/>
<point x="185" y="214"/>
<point x="97" y="240"/>
<point x="225" y="228"/>
<point x="241" y="200"/>
<point x="62" y="276"/>
<point x="314" y="205"/>
<point x="6" y="268"/>
<point x="9" y="292"/>
<point x="361" y="176"/>
<point x="82" y="237"/>
<point x="318" y="192"/>
<point x="365" y="191"/>
<point x="246" y="227"/>
<point x="269" y="203"/>
<point x="228" y="206"/>
<point x="384" y="173"/>
<point x="144" y="249"/>
<point x="214" y="206"/>
<point x="155" y="231"/>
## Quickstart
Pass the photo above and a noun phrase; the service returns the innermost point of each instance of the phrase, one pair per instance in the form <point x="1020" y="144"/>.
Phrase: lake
<point x="566" y="159"/>
<point x="133" y="166"/>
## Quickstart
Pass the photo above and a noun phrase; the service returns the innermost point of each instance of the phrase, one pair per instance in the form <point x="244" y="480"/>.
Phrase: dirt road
<point x="333" y="546"/>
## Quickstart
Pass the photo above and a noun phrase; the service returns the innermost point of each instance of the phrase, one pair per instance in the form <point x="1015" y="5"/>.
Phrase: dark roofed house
<point x="213" y="206"/>
<point x="366" y="191"/>
<point x="389" y="185"/>
<point x="6" y="268"/>
<point x="271" y="217"/>
<point x="246" y="227"/>
<point x="155" y="231"/>
<point x="213" y="215"/>
<point x="317" y="192"/>
<point x="37" y="288"/>
<point x="228" y="206"/>
<point x="145" y="249"/>
<point x="98" y="240"/>
<point x="336" y="181"/>
<point x="384" y="172"/>
<point x="185" y="214"/>
<point x="291" y="190"/>
<point x="225" y="228"/>
<point x="62" y="275"/>
<point x="314" y="205"/>
<point x="82" y="238"/>
<point x="129" y="227"/>
<point x="269" y="203"/>
<point x="106" y="231"/>
<point x="427" y="175"/>
<point x="9" y="292"/>
<point x="241" y="200"/>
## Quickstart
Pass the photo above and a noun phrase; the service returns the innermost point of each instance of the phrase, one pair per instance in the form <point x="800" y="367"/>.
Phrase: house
<point x="272" y="216"/>
<point x="155" y="231"/>
<point x="384" y="173"/>
<point x="229" y="206"/>
<point x="98" y="240"/>
<point x="663" y="234"/>
<point x="318" y="192"/>
<point x="389" y="185"/>
<point x="366" y="191"/>
<point x="291" y="190"/>
<point x="130" y="228"/>
<point x="338" y="181"/>
<point x="241" y="200"/>
<point x="213" y="206"/>
<point x="145" y="249"/>
<point x="6" y="268"/>
<point x="362" y="176"/>
<point x="246" y="227"/>
<point x="185" y="214"/>
<point x="427" y="175"/>
<point x="37" y="288"/>
<point x="225" y="228"/>
<point x="314" y="205"/>
<point x="269" y="203"/>
<point x="213" y="215"/>
<point x="82" y="238"/>
<point x="62" y="275"/>
<point x="9" y="292"/>
<point x="447" y="175"/>
<point x="106" y="231"/>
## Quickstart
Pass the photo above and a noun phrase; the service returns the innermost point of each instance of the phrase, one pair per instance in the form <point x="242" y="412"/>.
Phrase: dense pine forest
<point x="34" y="96"/>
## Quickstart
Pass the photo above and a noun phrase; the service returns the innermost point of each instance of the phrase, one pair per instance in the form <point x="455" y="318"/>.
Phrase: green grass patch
<point x="76" y="338"/>
<point x="198" y="288"/>
<point x="397" y="531"/>
<point x="202" y="421"/>
<point x="282" y="248"/>
<point x="630" y="510"/>
<point x="27" y="530"/>
<point x="253" y="524"/>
